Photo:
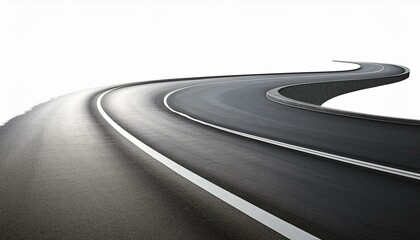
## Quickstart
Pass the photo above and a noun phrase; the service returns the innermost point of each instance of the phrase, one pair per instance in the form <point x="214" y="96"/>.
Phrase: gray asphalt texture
<point x="66" y="174"/>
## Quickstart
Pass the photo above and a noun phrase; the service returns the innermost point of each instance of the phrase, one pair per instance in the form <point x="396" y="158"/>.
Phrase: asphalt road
<point x="66" y="173"/>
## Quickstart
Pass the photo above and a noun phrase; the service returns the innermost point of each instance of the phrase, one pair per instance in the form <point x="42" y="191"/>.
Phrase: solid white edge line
<point x="282" y="227"/>
<point x="360" y="163"/>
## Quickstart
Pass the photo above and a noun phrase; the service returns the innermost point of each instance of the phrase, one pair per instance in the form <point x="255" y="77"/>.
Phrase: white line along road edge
<point x="377" y="167"/>
<point x="284" y="228"/>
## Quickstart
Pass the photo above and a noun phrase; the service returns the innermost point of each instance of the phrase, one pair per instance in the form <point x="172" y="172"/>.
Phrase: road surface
<point x="209" y="158"/>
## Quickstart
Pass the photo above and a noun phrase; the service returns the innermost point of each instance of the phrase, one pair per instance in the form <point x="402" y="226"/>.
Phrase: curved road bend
<point x="66" y="173"/>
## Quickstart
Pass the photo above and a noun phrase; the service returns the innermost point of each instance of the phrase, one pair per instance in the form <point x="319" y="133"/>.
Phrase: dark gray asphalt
<point x="65" y="173"/>
<point x="243" y="106"/>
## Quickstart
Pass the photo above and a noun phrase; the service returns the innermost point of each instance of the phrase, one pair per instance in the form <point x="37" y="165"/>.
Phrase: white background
<point x="48" y="48"/>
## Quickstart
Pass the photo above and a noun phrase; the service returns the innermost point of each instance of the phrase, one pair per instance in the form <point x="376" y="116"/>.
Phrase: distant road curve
<point x="312" y="95"/>
<point x="211" y="158"/>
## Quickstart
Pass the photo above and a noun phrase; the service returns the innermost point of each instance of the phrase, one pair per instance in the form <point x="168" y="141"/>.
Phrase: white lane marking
<point x="347" y="160"/>
<point x="284" y="228"/>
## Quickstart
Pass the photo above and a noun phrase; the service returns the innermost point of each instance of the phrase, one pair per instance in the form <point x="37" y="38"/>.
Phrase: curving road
<point x="211" y="158"/>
